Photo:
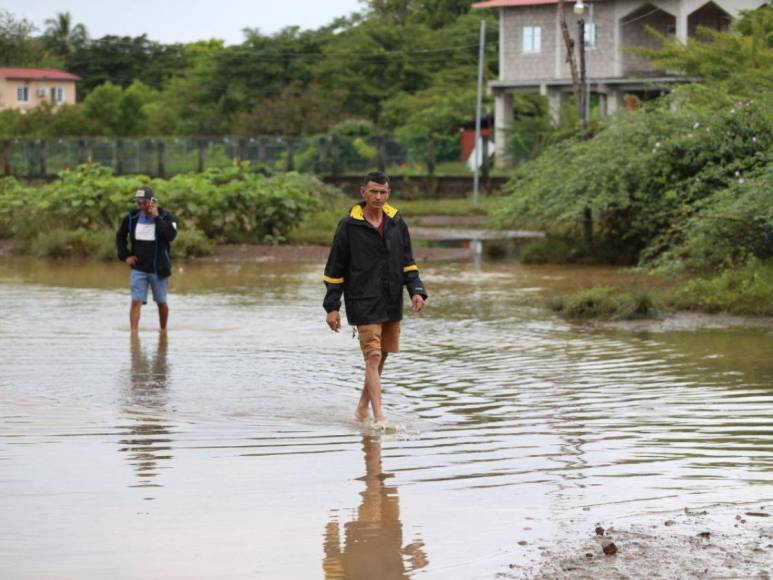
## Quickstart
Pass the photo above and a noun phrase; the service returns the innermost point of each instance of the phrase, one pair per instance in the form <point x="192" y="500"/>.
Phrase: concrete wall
<point x="634" y="33"/>
<point x="526" y="67"/>
<point x="8" y="93"/>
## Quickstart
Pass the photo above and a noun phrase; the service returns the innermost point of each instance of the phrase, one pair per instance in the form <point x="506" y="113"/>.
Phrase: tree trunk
<point x="583" y="91"/>
<point x="569" y="43"/>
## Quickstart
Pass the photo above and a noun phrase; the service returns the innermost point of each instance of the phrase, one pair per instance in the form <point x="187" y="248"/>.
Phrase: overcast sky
<point x="184" y="20"/>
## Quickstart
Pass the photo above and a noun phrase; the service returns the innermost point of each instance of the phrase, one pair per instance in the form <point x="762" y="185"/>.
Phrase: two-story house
<point x="532" y="54"/>
<point x="26" y="88"/>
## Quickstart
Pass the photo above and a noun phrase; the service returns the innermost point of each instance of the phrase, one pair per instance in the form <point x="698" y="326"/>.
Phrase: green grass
<point x="79" y="243"/>
<point x="605" y="303"/>
<point x="745" y="291"/>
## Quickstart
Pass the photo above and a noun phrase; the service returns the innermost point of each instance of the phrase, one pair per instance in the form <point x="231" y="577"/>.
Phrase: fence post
<point x="335" y="169"/>
<point x="261" y="150"/>
<point x="43" y="148"/>
<point x="431" y="165"/>
<point x="241" y="149"/>
<point x="161" y="150"/>
<point x="29" y="156"/>
<point x="119" y="156"/>
<point x="201" y="145"/>
<point x="7" y="168"/>
<point x="290" y="155"/>
<point x="381" y="156"/>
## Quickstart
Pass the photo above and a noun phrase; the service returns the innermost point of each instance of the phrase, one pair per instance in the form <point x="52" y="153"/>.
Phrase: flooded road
<point x="229" y="448"/>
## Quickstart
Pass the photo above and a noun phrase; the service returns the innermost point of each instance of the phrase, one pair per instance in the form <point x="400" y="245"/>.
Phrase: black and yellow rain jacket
<point x="369" y="270"/>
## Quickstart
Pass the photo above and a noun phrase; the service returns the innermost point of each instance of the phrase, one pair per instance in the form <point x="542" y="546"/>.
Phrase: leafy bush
<point x="643" y="175"/>
<point x="192" y="243"/>
<point x="235" y="204"/>
<point x="728" y="229"/>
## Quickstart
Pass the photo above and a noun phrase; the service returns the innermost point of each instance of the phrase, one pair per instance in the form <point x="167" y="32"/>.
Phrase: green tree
<point x="296" y="111"/>
<point x="18" y="46"/>
<point x="102" y="108"/>
<point x="124" y="59"/>
<point x="62" y="37"/>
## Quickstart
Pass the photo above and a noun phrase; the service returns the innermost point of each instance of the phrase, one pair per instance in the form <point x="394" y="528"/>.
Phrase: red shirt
<point x="380" y="228"/>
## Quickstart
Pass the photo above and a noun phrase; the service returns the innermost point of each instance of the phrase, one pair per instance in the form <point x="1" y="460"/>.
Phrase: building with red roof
<point x="27" y="88"/>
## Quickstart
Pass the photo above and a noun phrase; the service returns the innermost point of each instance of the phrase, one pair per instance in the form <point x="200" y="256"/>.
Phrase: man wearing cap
<point x="369" y="264"/>
<point x="150" y="231"/>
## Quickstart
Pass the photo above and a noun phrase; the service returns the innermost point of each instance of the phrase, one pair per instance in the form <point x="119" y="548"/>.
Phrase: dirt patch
<point x="723" y="542"/>
<point x="233" y="254"/>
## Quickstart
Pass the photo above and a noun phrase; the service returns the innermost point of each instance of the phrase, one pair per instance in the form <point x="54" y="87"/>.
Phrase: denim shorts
<point x="139" y="287"/>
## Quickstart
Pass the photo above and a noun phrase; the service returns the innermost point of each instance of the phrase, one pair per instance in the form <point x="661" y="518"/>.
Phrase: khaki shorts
<point x="378" y="338"/>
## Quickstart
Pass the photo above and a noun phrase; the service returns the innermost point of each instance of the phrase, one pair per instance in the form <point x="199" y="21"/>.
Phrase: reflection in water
<point x="147" y="439"/>
<point x="373" y="542"/>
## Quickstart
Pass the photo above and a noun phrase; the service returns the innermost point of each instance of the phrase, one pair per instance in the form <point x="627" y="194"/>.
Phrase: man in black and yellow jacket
<point x="370" y="262"/>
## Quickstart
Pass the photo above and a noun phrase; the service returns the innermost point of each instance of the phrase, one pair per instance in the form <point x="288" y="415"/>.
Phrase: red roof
<point x="37" y="74"/>
<point x="507" y="3"/>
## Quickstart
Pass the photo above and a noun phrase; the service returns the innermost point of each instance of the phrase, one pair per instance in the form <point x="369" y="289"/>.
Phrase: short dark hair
<point x="377" y="177"/>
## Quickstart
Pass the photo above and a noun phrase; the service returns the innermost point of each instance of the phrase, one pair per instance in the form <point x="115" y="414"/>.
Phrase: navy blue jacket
<point x="159" y="260"/>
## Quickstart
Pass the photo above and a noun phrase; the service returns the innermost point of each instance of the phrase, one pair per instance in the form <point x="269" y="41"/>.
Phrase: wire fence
<point x="327" y="156"/>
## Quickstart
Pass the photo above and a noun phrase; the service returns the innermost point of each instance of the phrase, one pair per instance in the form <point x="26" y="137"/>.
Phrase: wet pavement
<point x="228" y="448"/>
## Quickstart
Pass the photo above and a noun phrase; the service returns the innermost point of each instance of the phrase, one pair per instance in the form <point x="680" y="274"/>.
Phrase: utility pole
<point x="476" y="151"/>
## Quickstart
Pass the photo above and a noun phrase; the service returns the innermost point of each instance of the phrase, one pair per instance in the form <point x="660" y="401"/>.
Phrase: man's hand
<point x="153" y="209"/>
<point x="333" y="320"/>
<point x="131" y="260"/>
<point x="417" y="303"/>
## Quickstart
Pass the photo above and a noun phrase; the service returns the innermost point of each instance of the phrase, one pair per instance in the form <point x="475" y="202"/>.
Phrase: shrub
<point x="192" y="244"/>
<point x="78" y="243"/>
<point x="644" y="175"/>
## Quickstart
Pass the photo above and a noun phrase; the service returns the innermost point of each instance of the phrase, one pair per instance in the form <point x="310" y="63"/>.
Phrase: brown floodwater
<point x="228" y="448"/>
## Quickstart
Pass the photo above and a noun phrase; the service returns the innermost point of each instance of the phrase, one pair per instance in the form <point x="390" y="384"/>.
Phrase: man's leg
<point x="373" y="367"/>
<point x="362" y="406"/>
<point x="134" y="315"/>
<point x="159" y="287"/>
<point x="163" y="315"/>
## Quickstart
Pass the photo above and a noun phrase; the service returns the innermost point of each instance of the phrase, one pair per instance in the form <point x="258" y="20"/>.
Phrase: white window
<point x="590" y="35"/>
<point x="532" y="39"/>
<point x="57" y="94"/>
<point x="23" y="94"/>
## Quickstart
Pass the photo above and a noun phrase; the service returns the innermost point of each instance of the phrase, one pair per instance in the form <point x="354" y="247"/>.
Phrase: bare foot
<point x="361" y="414"/>
<point x="382" y="424"/>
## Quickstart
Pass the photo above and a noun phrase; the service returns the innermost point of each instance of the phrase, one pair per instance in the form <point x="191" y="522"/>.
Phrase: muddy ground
<point x="717" y="542"/>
